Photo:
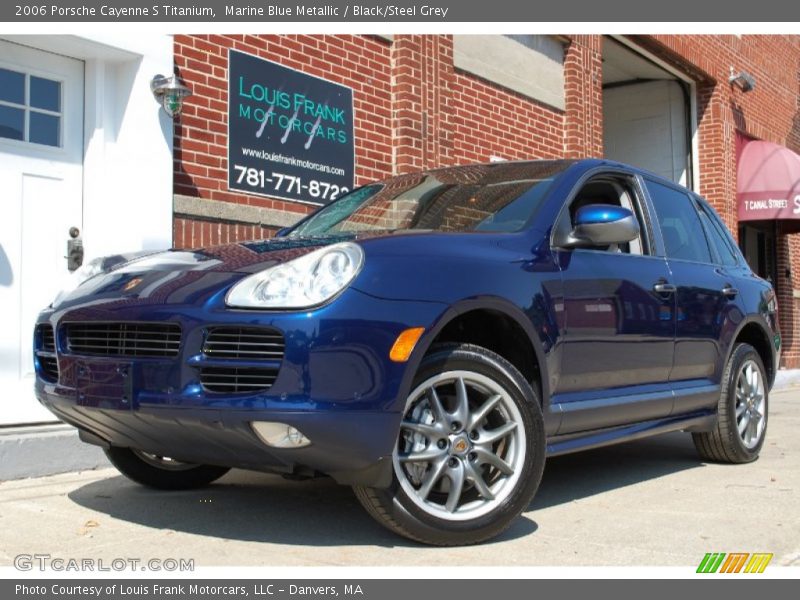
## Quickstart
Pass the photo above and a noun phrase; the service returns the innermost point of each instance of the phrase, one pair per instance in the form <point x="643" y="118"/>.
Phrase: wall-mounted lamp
<point x="743" y="79"/>
<point x="169" y="92"/>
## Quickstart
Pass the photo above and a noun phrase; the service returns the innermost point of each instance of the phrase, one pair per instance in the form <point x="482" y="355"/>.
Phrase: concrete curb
<point x="38" y="450"/>
<point x="786" y="378"/>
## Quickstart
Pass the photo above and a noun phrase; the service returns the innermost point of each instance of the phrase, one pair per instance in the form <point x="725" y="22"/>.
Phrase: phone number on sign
<point x="280" y="182"/>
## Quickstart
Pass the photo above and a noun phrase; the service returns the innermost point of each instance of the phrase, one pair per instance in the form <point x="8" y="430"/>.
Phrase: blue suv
<point x="429" y="340"/>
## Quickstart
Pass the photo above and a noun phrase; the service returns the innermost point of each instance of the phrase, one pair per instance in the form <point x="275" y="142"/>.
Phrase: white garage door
<point x="41" y="172"/>
<point x="645" y="125"/>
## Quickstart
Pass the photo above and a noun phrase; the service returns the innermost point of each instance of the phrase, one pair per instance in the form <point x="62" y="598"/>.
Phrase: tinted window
<point x="681" y="229"/>
<point x="44" y="129"/>
<point x="12" y="122"/>
<point x="45" y="94"/>
<point x="30" y="108"/>
<point x="12" y="86"/>
<point x="717" y="236"/>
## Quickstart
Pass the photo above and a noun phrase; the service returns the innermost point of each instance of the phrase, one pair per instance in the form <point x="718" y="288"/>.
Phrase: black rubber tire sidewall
<point x="741" y="354"/>
<point x="723" y="443"/>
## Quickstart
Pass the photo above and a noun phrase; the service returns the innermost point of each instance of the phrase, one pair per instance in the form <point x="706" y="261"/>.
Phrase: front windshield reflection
<point x="480" y="198"/>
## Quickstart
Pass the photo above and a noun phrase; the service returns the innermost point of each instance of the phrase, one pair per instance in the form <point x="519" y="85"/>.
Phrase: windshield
<point x="496" y="198"/>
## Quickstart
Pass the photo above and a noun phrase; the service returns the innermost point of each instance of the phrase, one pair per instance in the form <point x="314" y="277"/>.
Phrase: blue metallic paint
<point x="607" y="374"/>
<point x="598" y="213"/>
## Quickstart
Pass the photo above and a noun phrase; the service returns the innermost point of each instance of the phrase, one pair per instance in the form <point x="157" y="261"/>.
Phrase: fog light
<point x="280" y="435"/>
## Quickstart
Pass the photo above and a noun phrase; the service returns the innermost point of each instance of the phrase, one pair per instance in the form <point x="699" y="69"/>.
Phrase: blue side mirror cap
<point x="595" y="214"/>
<point x="603" y="225"/>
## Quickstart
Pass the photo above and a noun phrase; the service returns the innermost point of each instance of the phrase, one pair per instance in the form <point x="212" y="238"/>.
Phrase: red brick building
<point x="666" y="103"/>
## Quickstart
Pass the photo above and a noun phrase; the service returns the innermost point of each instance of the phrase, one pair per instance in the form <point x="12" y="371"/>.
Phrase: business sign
<point x="761" y="206"/>
<point x="290" y="135"/>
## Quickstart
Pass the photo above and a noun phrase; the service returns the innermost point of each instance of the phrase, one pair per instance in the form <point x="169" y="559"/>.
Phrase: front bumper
<point x="335" y="384"/>
<point x="350" y="446"/>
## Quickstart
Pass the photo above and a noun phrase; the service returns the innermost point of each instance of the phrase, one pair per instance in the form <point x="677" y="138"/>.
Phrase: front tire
<point x="160" y="472"/>
<point x="742" y="411"/>
<point x="470" y="451"/>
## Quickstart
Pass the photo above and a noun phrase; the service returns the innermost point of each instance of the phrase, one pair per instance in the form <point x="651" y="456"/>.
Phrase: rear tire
<point x="742" y="411"/>
<point x="470" y="451"/>
<point x="160" y="472"/>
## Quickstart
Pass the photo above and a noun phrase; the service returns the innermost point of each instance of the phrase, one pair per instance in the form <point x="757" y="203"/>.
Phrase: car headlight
<point x="302" y="282"/>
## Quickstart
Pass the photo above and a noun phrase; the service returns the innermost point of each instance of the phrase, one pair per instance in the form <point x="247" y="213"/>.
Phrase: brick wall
<point x="360" y="62"/>
<point x="583" y="80"/>
<point x="197" y="233"/>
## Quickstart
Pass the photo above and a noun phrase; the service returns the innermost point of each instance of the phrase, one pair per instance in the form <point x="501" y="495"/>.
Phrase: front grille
<point x="251" y="344"/>
<point x="45" y="349"/>
<point x="233" y="380"/>
<point x="47" y="338"/>
<point x="248" y="343"/>
<point x="124" y="339"/>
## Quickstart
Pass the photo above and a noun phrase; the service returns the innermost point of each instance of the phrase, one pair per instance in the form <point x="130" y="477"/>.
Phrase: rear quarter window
<point x="718" y="236"/>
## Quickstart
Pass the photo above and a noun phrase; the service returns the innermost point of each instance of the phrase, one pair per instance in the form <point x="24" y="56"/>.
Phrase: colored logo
<point x="735" y="562"/>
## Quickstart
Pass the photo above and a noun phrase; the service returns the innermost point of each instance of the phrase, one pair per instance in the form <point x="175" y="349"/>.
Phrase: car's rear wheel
<point x="470" y="451"/>
<point x="742" y="411"/>
<point x="162" y="472"/>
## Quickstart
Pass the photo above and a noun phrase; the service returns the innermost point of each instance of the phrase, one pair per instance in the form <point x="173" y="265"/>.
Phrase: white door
<point x="41" y="173"/>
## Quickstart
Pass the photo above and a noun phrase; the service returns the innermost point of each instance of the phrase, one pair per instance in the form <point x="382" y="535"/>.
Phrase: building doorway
<point x="758" y="243"/>
<point x="646" y="114"/>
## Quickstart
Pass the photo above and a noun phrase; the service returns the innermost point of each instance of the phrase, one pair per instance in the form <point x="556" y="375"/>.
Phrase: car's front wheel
<point x="470" y="451"/>
<point x="742" y="411"/>
<point x="161" y="472"/>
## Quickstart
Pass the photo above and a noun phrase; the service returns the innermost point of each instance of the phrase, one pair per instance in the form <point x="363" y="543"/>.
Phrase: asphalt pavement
<point x="650" y="502"/>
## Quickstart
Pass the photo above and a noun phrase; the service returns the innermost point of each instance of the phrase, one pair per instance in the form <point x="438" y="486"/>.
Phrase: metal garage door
<point x="645" y="124"/>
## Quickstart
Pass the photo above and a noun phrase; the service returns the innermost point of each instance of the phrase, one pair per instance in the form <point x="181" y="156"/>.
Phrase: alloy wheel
<point x="750" y="404"/>
<point x="461" y="446"/>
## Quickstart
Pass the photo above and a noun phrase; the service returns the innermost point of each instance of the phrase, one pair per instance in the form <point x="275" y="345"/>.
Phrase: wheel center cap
<point x="460" y="444"/>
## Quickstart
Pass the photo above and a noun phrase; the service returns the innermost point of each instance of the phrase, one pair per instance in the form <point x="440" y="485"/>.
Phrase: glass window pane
<point x="45" y="93"/>
<point x="12" y="86"/>
<point x="681" y="229"/>
<point x="12" y="122"/>
<point x="44" y="129"/>
<point x="719" y="237"/>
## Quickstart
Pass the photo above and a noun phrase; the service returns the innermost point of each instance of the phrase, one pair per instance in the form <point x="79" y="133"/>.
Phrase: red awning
<point x="768" y="182"/>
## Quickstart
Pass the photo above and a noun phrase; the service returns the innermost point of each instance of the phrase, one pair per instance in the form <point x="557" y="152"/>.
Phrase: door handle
<point x="729" y="291"/>
<point x="662" y="287"/>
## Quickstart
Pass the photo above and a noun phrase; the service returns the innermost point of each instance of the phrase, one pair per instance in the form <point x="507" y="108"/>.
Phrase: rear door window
<point x="681" y="229"/>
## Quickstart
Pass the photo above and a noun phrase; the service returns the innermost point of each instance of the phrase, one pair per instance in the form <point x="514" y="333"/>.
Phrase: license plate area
<point x="104" y="384"/>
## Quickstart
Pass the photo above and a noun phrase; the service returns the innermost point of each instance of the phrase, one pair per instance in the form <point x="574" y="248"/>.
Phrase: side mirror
<point x="603" y="225"/>
<point x="282" y="232"/>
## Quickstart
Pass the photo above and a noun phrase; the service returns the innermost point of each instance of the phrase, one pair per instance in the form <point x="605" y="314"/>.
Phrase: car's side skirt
<point x="575" y="442"/>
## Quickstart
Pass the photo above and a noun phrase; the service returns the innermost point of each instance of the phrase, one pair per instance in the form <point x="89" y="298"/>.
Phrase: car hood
<point x="204" y="276"/>
<point x="181" y="276"/>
